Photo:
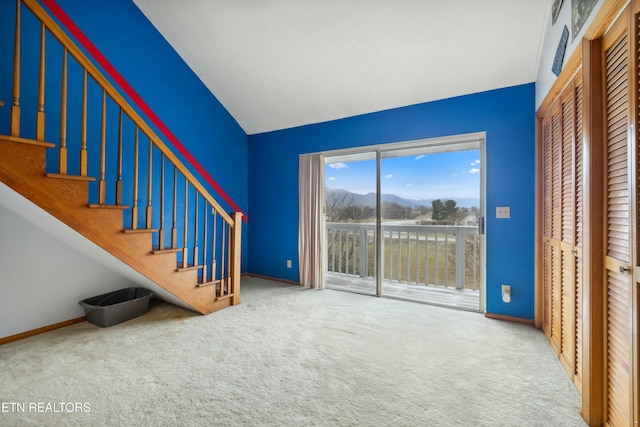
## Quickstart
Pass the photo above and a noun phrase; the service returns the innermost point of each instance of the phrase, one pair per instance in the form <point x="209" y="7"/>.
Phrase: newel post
<point x="236" y="245"/>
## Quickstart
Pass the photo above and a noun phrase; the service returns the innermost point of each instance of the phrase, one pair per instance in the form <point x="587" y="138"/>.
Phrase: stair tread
<point x="74" y="177"/>
<point x="210" y="283"/>
<point x="27" y="141"/>
<point x="99" y="206"/>
<point x="224" y="297"/>
<point x="188" y="267"/>
<point x="139" y="230"/>
<point x="165" y="250"/>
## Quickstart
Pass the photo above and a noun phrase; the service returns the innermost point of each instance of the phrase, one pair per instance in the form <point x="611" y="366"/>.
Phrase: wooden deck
<point x="463" y="299"/>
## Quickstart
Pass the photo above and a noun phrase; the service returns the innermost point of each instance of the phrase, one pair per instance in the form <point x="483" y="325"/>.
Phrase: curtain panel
<point x="311" y="222"/>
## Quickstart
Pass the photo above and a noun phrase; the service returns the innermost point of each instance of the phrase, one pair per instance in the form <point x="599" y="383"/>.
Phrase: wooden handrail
<point x="102" y="81"/>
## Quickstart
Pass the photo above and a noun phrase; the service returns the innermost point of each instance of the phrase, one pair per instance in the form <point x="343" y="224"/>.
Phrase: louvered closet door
<point x="567" y="234"/>
<point x="562" y="228"/>
<point x="556" y="221"/>
<point x="618" y="332"/>
<point x="578" y="230"/>
<point x="552" y="224"/>
<point x="546" y="225"/>
<point x="635" y="168"/>
<point x="571" y="237"/>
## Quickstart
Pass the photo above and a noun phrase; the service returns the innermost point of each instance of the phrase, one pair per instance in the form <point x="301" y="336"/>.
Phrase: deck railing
<point x="447" y="256"/>
<point x="100" y="136"/>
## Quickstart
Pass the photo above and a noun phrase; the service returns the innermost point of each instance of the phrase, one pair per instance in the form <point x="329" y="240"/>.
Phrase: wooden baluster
<point x="195" y="233"/>
<point x="102" y="184"/>
<point x="213" y="245"/>
<point x="174" y="232"/>
<point x="40" y="114"/>
<point x="236" y="246"/>
<point x="185" y="250"/>
<point x="149" y="185"/>
<point x="229" y="259"/>
<point x="161" y="230"/>
<point x="204" y="243"/>
<point x="83" y="130"/>
<point x="62" y="160"/>
<point x="119" y="179"/>
<point x="15" y="109"/>
<point x="134" y="210"/>
<point x="222" y="278"/>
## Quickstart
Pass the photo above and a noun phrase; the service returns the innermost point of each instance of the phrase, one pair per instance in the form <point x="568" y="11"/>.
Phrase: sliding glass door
<point x="430" y="225"/>
<point x="405" y="221"/>
<point x="351" y="219"/>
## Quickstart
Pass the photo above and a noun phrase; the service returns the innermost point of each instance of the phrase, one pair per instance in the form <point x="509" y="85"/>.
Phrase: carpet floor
<point x="288" y="356"/>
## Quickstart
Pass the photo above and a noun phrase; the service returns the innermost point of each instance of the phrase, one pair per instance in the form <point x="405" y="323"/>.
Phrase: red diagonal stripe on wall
<point x="117" y="77"/>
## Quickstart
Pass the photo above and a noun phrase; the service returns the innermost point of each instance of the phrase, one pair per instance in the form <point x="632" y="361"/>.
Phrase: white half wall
<point x="46" y="268"/>
<point x="545" y="77"/>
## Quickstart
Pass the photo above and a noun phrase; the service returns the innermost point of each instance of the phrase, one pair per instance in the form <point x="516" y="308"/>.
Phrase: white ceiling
<point x="276" y="64"/>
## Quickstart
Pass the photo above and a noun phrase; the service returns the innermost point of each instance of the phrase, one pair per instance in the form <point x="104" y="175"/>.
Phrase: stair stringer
<point x="22" y="168"/>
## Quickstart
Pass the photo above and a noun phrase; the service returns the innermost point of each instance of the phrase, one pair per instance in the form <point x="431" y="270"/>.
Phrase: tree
<point x="392" y="210"/>
<point x="337" y="207"/>
<point x="444" y="211"/>
<point x="451" y="210"/>
<point x="439" y="213"/>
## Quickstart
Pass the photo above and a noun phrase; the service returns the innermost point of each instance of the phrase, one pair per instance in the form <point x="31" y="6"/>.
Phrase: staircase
<point x="176" y="234"/>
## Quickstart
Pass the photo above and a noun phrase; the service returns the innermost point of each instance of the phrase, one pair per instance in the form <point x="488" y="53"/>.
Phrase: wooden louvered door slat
<point x="618" y="331"/>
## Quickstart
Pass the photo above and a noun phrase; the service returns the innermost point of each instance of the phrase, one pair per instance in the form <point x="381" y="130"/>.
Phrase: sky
<point x="427" y="176"/>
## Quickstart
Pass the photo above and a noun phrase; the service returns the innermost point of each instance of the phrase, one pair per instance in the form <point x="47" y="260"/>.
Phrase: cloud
<point x="388" y="176"/>
<point x="475" y="162"/>
<point x="474" y="170"/>
<point x="455" y="174"/>
<point x="420" y="156"/>
<point x="338" y="166"/>
<point x="332" y="178"/>
<point x="408" y="185"/>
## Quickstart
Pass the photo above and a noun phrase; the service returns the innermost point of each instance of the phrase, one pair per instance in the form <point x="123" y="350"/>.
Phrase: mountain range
<point x="369" y="199"/>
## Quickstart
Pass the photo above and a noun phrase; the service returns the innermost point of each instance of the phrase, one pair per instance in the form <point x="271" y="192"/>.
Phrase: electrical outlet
<point x="503" y="212"/>
<point x="506" y="293"/>
<point x="288" y="263"/>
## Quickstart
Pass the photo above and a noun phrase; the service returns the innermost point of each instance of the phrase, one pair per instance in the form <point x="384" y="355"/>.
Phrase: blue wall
<point x="263" y="169"/>
<point x="155" y="71"/>
<point x="506" y="115"/>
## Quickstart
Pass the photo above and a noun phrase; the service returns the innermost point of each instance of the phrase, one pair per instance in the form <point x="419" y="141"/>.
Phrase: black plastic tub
<point x="117" y="306"/>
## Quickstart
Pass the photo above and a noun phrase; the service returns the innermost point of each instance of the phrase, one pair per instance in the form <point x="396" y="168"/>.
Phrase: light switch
<point x="503" y="212"/>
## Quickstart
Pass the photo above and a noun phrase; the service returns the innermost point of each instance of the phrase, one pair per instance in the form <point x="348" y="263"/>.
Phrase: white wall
<point x="46" y="268"/>
<point x="545" y="77"/>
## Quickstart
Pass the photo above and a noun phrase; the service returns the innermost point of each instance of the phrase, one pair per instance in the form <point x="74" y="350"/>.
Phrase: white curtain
<point x="311" y="222"/>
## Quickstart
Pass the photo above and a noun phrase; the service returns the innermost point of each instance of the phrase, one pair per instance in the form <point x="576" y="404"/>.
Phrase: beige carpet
<point x="290" y="357"/>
